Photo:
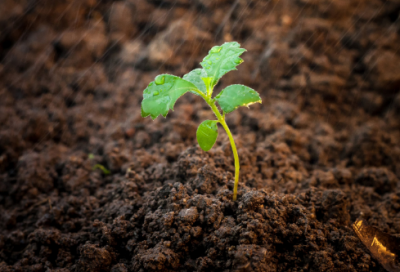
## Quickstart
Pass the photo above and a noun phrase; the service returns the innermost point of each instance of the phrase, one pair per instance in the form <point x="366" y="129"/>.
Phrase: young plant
<point x="161" y="94"/>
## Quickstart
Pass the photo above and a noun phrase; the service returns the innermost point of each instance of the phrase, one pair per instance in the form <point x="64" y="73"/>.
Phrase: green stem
<point x="236" y="156"/>
<point x="221" y="119"/>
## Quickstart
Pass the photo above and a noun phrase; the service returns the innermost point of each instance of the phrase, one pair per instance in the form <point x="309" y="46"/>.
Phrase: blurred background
<point x="73" y="72"/>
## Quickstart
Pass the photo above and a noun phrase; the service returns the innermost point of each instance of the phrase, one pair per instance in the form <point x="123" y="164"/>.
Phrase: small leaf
<point x="235" y="96"/>
<point x="207" y="134"/>
<point x="208" y="82"/>
<point x="195" y="77"/>
<point x="161" y="94"/>
<point x="222" y="59"/>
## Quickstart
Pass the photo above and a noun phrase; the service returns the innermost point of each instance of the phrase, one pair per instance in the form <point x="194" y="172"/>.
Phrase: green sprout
<point x="99" y="166"/>
<point x="102" y="168"/>
<point x="161" y="94"/>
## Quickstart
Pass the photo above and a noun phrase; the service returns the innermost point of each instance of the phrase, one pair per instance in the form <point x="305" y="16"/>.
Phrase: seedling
<point x="99" y="166"/>
<point x="161" y="94"/>
<point x="102" y="168"/>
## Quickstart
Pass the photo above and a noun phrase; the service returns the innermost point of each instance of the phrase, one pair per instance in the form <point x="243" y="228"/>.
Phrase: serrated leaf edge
<point x="235" y="69"/>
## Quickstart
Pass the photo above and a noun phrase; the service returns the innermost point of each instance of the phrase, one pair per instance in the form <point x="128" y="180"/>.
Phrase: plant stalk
<point x="221" y="119"/>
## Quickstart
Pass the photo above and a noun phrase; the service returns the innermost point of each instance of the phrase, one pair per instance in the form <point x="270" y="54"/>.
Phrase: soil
<point x="321" y="151"/>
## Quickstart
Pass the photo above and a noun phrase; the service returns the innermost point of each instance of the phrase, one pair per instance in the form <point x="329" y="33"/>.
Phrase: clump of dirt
<point x="322" y="150"/>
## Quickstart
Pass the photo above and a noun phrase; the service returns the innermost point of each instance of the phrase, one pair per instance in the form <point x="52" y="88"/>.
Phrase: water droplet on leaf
<point x="156" y="93"/>
<point x="160" y="80"/>
<point x="216" y="49"/>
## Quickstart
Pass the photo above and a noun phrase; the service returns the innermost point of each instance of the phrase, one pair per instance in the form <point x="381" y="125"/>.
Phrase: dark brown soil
<point x="321" y="151"/>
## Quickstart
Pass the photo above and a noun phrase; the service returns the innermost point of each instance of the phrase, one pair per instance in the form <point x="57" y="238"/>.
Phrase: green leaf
<point x="207" y="134"/>
<point x="161" y="94"/>
<point x="208" y="82"/>
<point x="195" y="77"/>
<point x="235" y="96"/>
<point x="222" y="59"/>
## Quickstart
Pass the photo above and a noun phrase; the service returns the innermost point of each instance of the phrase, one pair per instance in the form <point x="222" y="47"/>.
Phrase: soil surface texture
<point x="321" y="151"/>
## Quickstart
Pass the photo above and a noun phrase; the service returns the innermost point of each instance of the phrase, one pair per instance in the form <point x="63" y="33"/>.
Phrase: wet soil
<point x="321" y="151"/>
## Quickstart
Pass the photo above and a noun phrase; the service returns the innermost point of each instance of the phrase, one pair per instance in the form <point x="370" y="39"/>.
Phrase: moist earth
<point x="321" y="151"/>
